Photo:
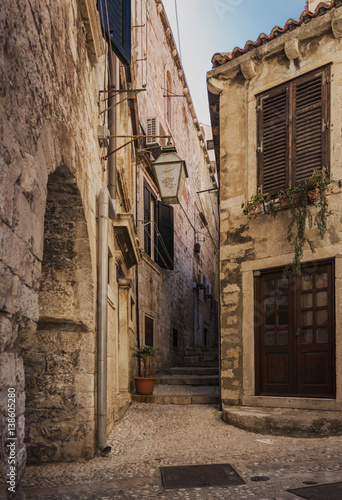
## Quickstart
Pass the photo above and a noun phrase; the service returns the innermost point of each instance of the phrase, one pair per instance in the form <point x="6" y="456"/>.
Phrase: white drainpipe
<point x="106" y="211"/>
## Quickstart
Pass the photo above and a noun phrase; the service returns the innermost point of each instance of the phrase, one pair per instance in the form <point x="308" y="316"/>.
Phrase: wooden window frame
<point x="282" y="130"/>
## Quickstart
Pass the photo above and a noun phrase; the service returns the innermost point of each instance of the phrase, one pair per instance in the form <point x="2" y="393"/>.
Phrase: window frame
<point x="289" y="119"/>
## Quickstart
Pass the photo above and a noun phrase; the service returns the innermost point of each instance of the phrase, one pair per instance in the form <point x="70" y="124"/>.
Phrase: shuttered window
<point x="293" y="131"/>
<point x="115" y="17"/>
<point x="158" y="230"/>
<point x="147" y="221"/>
<point x="165" y="240"/>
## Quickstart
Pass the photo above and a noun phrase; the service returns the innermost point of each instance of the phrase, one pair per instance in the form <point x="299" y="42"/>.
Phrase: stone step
<point x="199" y="361"/>
<point x="284" y="421"/>
<point x="177" y="399"/>
<point x="192" y="370"/>
<point x="200" y="350"/>
<point x="187" y="379"/>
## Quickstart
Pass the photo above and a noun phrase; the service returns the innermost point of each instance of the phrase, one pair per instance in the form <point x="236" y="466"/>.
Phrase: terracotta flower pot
<point x="313" y="195"/>
<point x="144" y="386"/>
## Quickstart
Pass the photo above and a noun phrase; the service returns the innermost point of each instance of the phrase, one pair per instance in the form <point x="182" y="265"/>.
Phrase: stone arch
<point x="60" y="363"/>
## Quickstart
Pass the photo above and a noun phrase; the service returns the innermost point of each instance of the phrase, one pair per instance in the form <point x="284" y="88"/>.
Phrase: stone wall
<point x="264" y="244"/>
<point x="49" y="105"/>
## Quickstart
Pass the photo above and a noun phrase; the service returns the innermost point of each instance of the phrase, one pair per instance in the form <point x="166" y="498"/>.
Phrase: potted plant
<point x="299" y="200"/>
<point x="145" y="385"/>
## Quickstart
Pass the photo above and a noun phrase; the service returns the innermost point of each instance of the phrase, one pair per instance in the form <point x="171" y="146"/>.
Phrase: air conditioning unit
<point x="155" y="128"/>
<point x="209" y="291"/>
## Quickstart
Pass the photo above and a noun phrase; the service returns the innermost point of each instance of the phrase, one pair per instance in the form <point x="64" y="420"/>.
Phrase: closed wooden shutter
<point x="149" y="340"/>
<point x="147" y="220"/>
<point x="311" y="125"/>
<point x="273" y="140"/>
<point x="293" y="131"/>
<point x="115" y="17"/>
<point x="166" y="239"/>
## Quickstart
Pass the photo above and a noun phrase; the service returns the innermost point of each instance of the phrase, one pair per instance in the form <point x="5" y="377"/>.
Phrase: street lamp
<point x="171" y="173"/>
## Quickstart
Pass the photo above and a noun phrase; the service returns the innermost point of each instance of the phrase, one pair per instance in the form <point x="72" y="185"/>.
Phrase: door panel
<point x="295" y="333"/>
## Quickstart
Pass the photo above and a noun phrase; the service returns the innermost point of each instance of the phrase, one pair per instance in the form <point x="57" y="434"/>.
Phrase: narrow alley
<point x="154" y="436"/>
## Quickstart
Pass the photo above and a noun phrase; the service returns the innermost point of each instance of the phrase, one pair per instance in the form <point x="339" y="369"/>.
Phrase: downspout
<point x="106" y="211"/>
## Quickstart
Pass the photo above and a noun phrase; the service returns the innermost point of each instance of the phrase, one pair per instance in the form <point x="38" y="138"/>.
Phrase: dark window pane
<point x="322" y="299"/>
<point x="307" y="282"/>
<point x="283" y="337"/>
<point x="269" y="338"/>
<point x="322" y="317"/>
<point x="283" y="319"/>
<point x="269" y="287"/>
<point x="322" y="335"/>
<point x="307" y="300"/>
<point x="322" y="280"/>
<point x="307" y="318"/>
<point x="148" y="331"/>
<point x="307" y="336"/>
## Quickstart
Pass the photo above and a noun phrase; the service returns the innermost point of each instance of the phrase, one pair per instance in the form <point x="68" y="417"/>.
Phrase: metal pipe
<point x="106" y="211"/>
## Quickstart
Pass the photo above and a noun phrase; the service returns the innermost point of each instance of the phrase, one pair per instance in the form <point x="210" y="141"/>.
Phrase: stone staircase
<point x="194" y="381"/>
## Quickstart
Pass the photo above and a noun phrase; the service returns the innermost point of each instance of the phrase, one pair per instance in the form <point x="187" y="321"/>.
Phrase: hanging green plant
<point x="300" y="200"/>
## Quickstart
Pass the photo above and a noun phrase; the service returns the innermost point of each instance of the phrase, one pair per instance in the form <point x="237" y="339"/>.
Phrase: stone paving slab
<point x="151" y="436"/>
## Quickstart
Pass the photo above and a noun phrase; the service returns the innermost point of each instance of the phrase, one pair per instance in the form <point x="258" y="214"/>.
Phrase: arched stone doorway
<point x="60" y="365"/>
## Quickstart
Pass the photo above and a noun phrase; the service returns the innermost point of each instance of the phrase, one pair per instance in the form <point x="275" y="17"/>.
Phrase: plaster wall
<point x="264" y="245"/>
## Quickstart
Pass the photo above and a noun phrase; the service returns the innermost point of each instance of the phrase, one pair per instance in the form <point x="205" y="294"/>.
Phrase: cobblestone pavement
<point x="150" y="436"/>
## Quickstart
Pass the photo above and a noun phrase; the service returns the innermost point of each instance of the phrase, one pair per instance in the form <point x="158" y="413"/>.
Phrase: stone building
<point x="177" y="285"/>
<point x="71" y="198"/>
<point x="276" y="115"/>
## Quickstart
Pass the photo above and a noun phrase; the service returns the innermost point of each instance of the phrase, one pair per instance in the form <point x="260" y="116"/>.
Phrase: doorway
<point x="294" y="332"/>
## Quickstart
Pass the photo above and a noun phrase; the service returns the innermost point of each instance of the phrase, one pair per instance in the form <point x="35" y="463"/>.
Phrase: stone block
<point x="29" y="307"/>
<point x="6" y="336"/>
<point x="84" y="382"/>
<point x="12" y="371"/>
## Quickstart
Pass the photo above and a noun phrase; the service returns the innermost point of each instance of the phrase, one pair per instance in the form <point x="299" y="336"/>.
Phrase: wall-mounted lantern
<point x="171" y="173"/>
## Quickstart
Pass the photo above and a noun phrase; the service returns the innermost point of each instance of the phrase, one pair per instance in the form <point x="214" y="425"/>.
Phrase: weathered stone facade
<point x="245" y="252"/>
<point x="182" y="314"/>
<point x="54" y="67"/>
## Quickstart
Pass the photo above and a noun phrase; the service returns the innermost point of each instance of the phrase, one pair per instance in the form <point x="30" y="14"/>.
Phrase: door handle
<point x="298" y="335"/>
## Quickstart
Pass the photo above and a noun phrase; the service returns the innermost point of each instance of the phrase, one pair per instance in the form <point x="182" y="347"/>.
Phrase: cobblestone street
<point x="151" y="436"/>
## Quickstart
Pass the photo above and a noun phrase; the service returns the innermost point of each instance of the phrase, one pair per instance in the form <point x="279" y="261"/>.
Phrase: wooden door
<point x="294" y="320"/>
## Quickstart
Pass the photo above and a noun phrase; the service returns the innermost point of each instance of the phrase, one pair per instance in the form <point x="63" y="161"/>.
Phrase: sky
<point x="209" y="26"/>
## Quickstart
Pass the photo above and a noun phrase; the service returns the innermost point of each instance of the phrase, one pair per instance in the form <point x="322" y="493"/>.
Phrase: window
<point x="149" y="337"/>
<point x="115" y="18"/>
<point x="293" y="131"/>
<point x="158" y="230"/>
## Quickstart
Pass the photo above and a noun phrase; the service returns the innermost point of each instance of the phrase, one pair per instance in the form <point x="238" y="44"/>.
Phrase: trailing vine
<point x="300" y="200"/>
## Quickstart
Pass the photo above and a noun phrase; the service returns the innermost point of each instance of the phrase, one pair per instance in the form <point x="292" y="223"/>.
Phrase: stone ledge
<point x="284" y="421"/>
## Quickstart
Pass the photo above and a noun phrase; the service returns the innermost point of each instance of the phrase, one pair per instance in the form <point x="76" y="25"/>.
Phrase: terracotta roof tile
<point x="306" y="16"/>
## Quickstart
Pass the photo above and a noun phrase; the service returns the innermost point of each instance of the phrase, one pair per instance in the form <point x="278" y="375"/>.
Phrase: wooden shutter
<point x="149" y="340"/>
<point x="115" y="17"/>
<point x="165" y="256"/>
<point x="311" y="125"/>
<point x="147" y="220"/>
<point x="273" y="140"/>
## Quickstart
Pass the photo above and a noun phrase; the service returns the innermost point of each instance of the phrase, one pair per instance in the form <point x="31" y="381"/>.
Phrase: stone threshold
<point x="284" y="421"/>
